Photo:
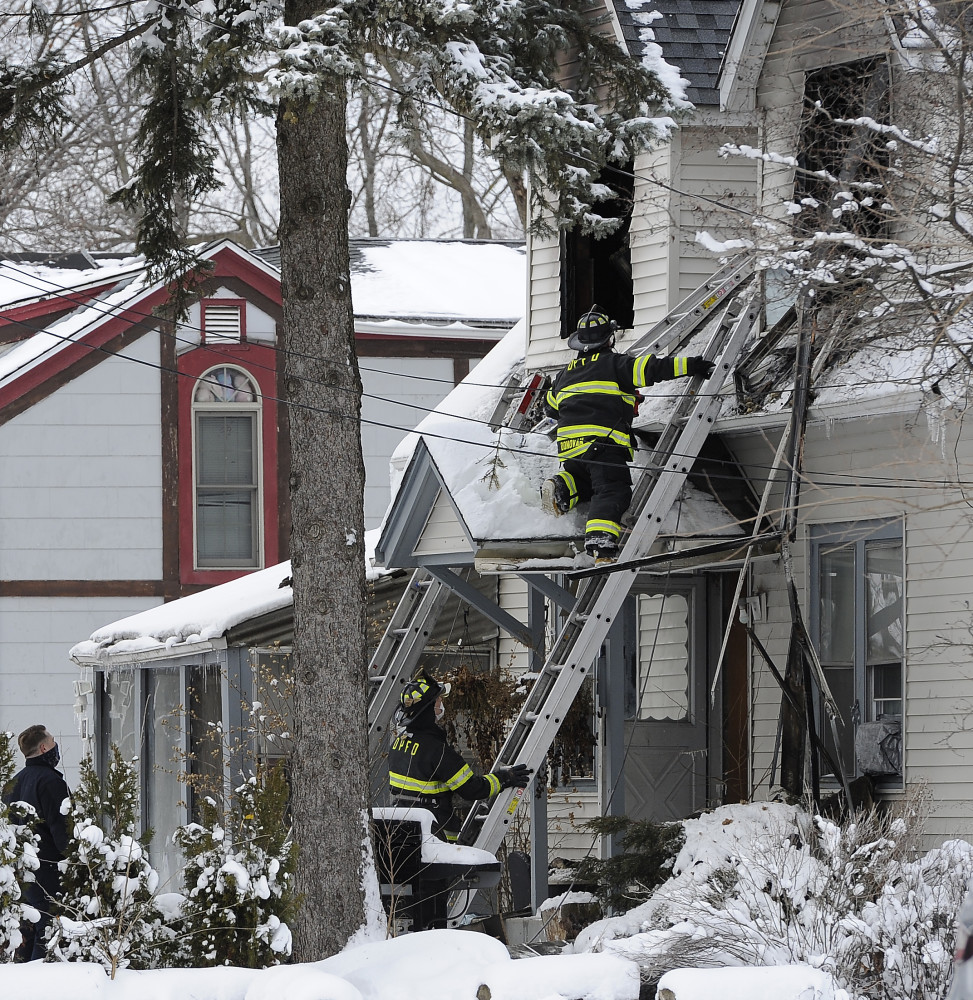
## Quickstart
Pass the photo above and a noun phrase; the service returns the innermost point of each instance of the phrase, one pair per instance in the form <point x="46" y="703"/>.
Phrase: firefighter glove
<point x="699" y="366"/>
<point x="513" y="777"/>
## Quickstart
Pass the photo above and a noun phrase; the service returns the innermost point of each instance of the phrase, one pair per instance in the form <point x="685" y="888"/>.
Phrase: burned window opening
<point x="599" y="271"/>
<point x="850" y="155"/>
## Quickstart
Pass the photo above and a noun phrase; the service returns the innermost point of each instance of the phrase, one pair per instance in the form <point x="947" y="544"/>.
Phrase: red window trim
<point x="259" y="362"/>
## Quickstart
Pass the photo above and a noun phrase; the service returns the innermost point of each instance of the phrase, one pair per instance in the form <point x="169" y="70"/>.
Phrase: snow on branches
<point x="501" y="66"/>
<point x="18" y="859"/>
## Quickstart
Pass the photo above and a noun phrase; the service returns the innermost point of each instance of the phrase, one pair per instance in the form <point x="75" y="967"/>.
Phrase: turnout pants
<point x="602" y="476"/>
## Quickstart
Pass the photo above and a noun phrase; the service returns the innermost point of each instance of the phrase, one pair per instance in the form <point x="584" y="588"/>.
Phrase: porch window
<point x="857" y="593"/>
<point x="226" y="463"/>
<point x="663" y="661"/>
<point x="164" y="806"/>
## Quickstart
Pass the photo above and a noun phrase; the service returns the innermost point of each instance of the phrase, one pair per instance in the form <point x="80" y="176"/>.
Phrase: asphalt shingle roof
<point x="692" y="35"/>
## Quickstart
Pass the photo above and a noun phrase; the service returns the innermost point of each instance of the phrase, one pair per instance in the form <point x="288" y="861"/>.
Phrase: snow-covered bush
<point x="108" y="912"/>
<point x="239" y="877"/>
<point x="769" y="884"/>
<point x="18" y="862"/>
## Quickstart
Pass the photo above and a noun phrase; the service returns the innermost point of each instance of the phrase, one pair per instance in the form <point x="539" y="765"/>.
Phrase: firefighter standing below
<point x="594" y="400"/>
<point x="425" y="771"/>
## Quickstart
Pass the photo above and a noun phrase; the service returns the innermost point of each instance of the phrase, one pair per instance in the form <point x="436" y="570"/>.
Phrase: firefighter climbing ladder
<point x="395" y="659"/>
<point x="600" y="598"/>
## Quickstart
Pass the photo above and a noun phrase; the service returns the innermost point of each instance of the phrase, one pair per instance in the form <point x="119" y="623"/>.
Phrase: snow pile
<point x="788" y="982"/>
<point x="768" y="885"/>
<point x="431" y="965"/>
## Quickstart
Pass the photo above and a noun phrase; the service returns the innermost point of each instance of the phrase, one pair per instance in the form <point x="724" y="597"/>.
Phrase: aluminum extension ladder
<point x="394" y="661"/>
<point x="600" y="598"/>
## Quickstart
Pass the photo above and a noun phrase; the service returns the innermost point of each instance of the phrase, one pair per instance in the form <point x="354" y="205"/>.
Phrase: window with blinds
<point x="226" y="470"/>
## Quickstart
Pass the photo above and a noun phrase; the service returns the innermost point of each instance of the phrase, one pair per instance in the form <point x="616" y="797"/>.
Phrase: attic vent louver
<point x="222" y="324"/>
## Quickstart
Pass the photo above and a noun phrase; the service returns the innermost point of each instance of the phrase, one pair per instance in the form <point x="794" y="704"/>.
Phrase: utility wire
<point x="827" y="479"/>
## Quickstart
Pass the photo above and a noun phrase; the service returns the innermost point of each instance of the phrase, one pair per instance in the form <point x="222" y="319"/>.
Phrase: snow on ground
<point x="785" y="982"/>
<point x="431" y="965"/>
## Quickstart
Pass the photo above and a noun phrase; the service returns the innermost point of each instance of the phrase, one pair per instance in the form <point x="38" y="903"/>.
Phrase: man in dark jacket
<point x="594" y="400"/>
<point x="425" y="771"/>
<point x="44" y="788"/>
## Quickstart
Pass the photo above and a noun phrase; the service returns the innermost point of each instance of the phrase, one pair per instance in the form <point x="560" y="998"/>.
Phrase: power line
<point x="831" y="478"/>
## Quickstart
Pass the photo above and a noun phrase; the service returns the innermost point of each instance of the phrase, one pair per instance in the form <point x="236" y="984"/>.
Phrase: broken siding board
<point x="545" y="297"/>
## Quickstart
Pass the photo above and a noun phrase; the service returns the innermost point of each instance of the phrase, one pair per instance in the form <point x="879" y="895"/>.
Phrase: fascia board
<point x="106" y="659"/>
<point x="906" y="401"/>
<point x="751" y="35"/>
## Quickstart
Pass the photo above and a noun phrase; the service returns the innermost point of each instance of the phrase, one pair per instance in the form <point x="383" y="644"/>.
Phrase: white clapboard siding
<point x="717" y="195"/>
<point x="399" y="392"/>
<point x="36" y="676"/>
<point x="443" y="533"/>
<point x="80" y="495"/>
<point x="651" y="236"/>
<point x="513" y="655"/>
<point x="874" y="455"/>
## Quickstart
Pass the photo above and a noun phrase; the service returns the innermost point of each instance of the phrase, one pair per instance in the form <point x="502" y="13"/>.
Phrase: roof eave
<point x="749" y="40"/>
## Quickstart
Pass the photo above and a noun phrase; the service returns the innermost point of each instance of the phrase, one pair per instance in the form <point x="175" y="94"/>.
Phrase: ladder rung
<point x="400" y="631"/>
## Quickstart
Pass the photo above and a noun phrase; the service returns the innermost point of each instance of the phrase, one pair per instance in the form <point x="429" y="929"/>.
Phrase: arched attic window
<point x="226" y="470"/>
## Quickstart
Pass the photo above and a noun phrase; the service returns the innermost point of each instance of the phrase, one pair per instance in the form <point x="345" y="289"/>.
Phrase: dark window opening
<point x="836" y="156"/>
<point x="599" y="271"/>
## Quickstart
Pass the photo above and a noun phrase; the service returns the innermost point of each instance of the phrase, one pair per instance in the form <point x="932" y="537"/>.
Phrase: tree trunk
<point x="322" y="387"/>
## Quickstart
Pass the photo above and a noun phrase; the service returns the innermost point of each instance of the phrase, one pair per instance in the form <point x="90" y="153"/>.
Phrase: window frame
<point x="858" y="536"/>
<point x="254" y="410"/>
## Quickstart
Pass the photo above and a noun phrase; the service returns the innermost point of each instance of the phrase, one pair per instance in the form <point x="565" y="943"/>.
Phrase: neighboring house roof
<point x="455" y="288"/>
<point x="211" y="619"/>
<point x="103" y="321"/>
<point x="58" y="309"/>
<point x="692" y="34"/>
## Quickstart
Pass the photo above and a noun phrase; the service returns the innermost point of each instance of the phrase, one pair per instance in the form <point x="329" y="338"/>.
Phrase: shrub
<point x="645" y="861"/>
<point x="108" y="912"/>
<point x="18" y="862"/>
<point x="239" y="878"/>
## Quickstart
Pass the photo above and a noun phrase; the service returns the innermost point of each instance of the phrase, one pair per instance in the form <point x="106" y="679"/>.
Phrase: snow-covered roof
<point x="191" y="622"/>
<point x="494" y="476"/>
<point x="199" y="621"/>
<point x="692" y="35"/>
<point x="29" y="277"/>
<point x="451" y="284"/>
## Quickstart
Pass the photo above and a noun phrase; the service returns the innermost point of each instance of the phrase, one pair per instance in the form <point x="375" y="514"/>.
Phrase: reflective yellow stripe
<point x="609" y="527"/>
<point x="638" y="372"/>
<point x="407" y="783"/>
<point x="494" y="783"/>
<point x="572" y="486"/>
<point x="591" y="431"/>
<point x="450" y="836"/>
<point x="459" y="778"/>
<point x="680" y="366"/>
<point x="551" y="399"/>
<point x="592" y="388"/>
